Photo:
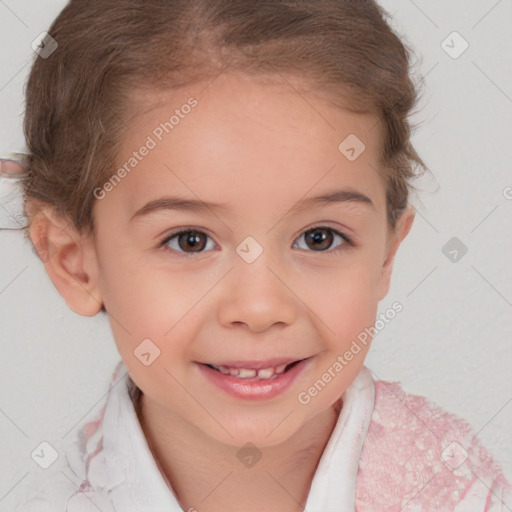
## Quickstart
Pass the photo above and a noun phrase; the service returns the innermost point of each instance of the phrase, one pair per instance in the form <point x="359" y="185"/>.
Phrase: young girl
<point x="228" y="181"/>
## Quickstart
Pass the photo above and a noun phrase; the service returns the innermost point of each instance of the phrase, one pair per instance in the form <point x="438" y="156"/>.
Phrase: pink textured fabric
<point x="418" y="457"/>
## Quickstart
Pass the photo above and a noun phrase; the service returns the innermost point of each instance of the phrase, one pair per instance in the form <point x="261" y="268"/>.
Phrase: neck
<point x="207" y="475"/>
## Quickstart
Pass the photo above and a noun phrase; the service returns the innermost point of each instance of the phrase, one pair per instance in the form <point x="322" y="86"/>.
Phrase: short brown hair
<point x="77" y="98"/>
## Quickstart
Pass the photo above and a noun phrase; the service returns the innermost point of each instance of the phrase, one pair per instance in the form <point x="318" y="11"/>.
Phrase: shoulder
<point x="417" y="456"/>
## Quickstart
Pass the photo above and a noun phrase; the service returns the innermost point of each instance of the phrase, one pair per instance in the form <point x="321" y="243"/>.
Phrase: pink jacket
<point x="418" y="457"/>
<point x="389" y="452"/>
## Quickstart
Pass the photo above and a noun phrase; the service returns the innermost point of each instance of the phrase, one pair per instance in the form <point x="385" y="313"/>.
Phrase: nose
<point x="258" y="296"/>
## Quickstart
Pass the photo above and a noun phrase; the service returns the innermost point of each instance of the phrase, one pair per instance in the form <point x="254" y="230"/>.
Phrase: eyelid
<point x="349" y="240"/>
<point x="181" y="230"/>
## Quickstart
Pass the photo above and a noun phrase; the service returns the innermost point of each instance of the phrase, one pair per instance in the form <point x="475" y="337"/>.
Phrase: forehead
<point x="235" y="140"/>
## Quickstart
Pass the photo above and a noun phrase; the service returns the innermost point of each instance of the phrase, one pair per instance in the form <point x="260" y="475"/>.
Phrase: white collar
<point x="126" y="471"/>
<point x="334" y="484"/>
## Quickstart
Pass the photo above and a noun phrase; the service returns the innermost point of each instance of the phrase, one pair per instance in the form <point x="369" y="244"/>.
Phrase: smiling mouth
<point x="272" y="372"/>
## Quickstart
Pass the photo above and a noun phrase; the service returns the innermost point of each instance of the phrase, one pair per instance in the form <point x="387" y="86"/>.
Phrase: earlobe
<point x="402" y="229"/>
<point x="70" y="261"/>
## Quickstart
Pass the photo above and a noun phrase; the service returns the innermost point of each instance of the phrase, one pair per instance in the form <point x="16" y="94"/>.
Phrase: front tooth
<point x="280" y="369"/>
<point x="234" y="371"/>
<point x="246" y="373"/>
<point x="266" y="373"/>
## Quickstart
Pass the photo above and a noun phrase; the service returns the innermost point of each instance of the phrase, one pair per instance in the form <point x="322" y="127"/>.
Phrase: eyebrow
<point x="193" y="205"/>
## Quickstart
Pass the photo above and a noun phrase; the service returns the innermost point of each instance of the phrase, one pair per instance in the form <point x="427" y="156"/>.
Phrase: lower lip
<point x="255" y="389"/>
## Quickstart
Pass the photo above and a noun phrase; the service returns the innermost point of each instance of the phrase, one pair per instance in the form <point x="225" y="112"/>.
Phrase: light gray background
<point x="452" y="342"/>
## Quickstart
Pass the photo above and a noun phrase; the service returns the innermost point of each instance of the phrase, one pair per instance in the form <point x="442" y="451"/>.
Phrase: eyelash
<point x="331" y="252"/>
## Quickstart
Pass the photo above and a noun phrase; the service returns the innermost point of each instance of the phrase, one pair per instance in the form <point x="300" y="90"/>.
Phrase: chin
<point x="259" y="430"/>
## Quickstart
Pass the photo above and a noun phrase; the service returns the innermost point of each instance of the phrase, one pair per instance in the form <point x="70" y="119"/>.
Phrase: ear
<point x="69" y="259"/>
<point x="395" y="238"/>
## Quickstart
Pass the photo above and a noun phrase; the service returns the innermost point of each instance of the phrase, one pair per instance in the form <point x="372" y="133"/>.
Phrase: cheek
<point x="346" y="294"/>
<point x="155" y="312"/>
<point x="345" y="305"/>
<point x="347" y="310"/>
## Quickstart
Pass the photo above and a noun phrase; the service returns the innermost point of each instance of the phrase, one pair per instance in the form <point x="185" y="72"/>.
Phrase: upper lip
<point x="258" y="365"/>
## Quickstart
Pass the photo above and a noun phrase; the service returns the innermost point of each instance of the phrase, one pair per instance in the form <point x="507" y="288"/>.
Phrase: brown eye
<point x="192" y="240"/>
<point x="187" y="242"/>
<point x="321" y="239"/>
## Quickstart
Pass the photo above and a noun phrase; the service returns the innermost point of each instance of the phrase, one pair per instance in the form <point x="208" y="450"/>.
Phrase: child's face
<point x="257" y="150"/>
